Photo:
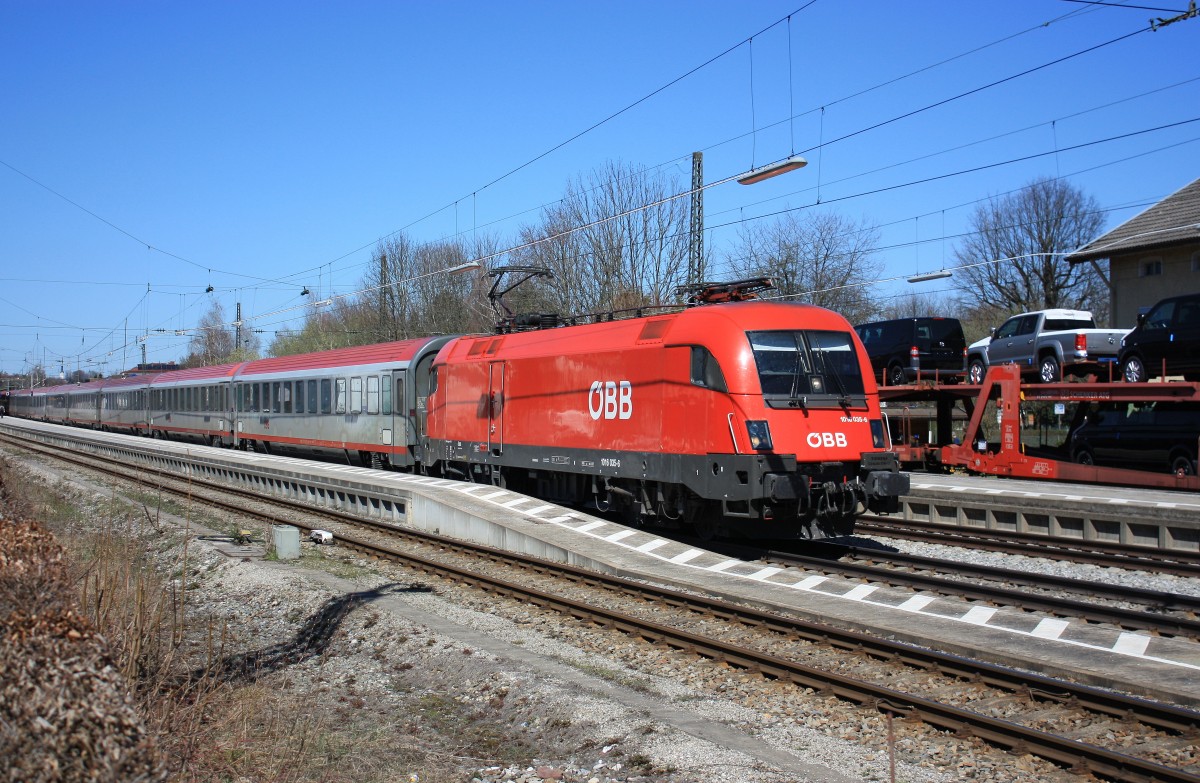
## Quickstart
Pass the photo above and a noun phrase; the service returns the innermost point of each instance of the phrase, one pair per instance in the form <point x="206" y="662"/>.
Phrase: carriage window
<point x="285" y="396"/>
<point x="387" y="394"/>
<point x="326" y="396"/>
<point x="265" y="406"/>
<point x="372" y="394"/>
<point x="339" y="402"/>
<point x="299" y="396"/>
<point x="312" y="397"/>
<point x="255" y="397"/>
<point x="356" y="393"/>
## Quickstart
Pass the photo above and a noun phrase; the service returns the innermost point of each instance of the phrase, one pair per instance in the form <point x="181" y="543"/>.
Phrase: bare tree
<point x="823" y="259"/>
<point x="616" y="241"/>
<point x="1012" y="261"/>
<point x="213" y="341"/>
<point x="344" y="324"/>
<point x="913" y="305"/>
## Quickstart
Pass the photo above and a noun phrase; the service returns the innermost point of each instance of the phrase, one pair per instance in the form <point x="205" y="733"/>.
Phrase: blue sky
<point x="261" y="147"/>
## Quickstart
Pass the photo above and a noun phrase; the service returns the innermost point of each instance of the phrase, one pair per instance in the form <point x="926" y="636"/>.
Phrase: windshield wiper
<point x="843" y="395"/>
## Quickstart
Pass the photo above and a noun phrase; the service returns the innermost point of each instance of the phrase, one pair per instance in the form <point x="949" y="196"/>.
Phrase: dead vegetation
<point x="109" y="672"/>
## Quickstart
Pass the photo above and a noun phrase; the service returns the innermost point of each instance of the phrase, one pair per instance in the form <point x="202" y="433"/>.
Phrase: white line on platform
<point x="1131" y="643"/>
<point x="860" y="592"/>
<point x="917" y="603"/>
<point x="1050" y="628"/>
<point x="979" y="615"/>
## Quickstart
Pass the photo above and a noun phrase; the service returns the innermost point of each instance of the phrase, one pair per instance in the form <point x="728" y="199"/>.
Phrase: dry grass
<point x="179" y="688"/>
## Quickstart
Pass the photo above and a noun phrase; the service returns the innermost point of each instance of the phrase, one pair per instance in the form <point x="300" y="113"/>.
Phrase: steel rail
<point x="1123" y="618"/>
<point x="1013" y="542"/>
<point x="1157" y="600"/>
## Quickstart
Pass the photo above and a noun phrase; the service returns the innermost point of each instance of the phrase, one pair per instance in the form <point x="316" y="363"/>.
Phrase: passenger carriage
<point x="123" y="405"/>
<point x="194" y="404"/>
<point x="366" y="401"/>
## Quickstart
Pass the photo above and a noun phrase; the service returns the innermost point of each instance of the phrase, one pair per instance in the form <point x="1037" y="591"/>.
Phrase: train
<point x="749" y="419"/>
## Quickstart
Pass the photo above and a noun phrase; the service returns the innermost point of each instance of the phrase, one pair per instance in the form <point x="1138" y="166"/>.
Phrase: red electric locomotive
<point x="751" y="418"/>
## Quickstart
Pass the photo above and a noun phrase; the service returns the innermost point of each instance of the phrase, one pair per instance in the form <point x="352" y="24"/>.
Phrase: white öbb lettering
<point x="828" y="440"/>
<point x="610" y="399"/>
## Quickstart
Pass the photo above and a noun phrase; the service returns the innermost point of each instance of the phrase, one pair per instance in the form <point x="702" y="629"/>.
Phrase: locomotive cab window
<point x="705" y="370"/>
<point x="802" y="368"/>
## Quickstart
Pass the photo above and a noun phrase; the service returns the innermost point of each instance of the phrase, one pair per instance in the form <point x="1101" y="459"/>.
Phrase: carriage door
<point x="495" y="408"/>
<point x="401" y="431"/>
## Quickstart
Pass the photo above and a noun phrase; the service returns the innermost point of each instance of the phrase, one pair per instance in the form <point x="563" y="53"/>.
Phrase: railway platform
<point x="1137" y="662"/>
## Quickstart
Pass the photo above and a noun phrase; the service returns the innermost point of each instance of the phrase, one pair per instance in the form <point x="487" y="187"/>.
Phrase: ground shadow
<point x="310" y="641"/>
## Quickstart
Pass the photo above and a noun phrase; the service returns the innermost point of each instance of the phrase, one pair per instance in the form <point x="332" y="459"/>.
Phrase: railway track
<point x="1010" y="587"/>
<point x="1111" y="555"/>
<point x="663" y="616"/>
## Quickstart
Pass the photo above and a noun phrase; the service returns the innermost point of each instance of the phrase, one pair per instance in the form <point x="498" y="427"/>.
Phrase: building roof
<point x="1173" y="221"/>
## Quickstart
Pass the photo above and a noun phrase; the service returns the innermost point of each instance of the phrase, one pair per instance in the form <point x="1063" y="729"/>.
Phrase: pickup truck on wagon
<point x="1047" y="344"/>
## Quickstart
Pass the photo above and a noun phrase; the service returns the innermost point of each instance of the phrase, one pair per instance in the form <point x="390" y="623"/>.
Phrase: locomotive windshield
<point x="812" y="367"/>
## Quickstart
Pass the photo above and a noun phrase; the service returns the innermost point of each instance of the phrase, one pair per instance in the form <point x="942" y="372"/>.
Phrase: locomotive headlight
<point x="760" y="435"/>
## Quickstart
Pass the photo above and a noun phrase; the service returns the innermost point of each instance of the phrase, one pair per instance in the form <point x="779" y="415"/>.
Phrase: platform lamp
<point x="772" y="170"/>
<point x="938" y="275"/>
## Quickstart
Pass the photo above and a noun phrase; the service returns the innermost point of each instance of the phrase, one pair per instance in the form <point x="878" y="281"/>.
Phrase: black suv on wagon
<point x="1158" y="436"/>
<point x="1167" y="336"/>
<point x="909" y="349"/>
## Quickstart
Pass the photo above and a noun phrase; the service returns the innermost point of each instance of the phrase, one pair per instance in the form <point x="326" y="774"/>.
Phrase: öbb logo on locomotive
<point x="827" y="440"/>
<point x="610" y="400"/>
